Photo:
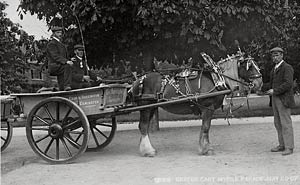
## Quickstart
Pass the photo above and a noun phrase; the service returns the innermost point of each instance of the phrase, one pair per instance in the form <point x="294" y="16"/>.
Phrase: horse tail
<point x="136" y="89"/>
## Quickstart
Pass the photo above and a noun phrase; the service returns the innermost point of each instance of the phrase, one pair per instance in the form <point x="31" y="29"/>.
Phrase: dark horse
<point x="235" y="68"/>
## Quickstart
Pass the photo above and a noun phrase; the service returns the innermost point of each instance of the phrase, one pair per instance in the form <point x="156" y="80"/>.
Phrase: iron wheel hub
<point x="56" y="131"/>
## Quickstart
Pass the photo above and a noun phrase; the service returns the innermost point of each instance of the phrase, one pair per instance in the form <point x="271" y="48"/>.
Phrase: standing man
<point x="281" y="82"/>
<point x="58" y="63"/>
<point x="81" y="74"/>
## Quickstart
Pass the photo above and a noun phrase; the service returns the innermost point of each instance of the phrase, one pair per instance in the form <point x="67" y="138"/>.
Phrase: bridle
<point x="250" y="62"/>
<point x="240" y="59"/>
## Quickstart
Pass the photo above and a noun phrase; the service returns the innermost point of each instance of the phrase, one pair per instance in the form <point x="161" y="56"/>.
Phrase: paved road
<point x="242" y="157"/>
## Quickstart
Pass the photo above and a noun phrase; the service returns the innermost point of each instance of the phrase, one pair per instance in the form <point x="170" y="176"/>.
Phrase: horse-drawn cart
<point x="59" y="124"/>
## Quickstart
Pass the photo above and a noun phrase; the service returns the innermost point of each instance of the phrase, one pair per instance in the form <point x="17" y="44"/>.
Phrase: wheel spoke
<point x="94" y="136"/>
<point x="101" y="132"/>
<point x="76" y="140"/>
<point x="41" y="139"/>
<point x="76" y="145"/>
<point x="57" y="149"/>
<point x="44" y="129"/>
<point x="41" y="119"/>
<point x="67" y="114"/>
<point x="3" y="138"/>
<point x="66" y="147"/>
<point x="106" y="125"/>
<point x="71" y="124"/>
<point x="50" y="143"/>
<point x="48" y="113"/>
<point x="57" y="110"/>
<point x="74" y="132"/>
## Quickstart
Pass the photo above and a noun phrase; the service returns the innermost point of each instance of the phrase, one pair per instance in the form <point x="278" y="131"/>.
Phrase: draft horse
<point x="235" y="69"/>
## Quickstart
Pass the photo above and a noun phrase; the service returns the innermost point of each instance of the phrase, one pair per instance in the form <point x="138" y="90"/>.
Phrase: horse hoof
<point x="149" y="154"/>
<point x="207" y="152"/>
<point x="203" y="152"/>
<point x="210" y="152"/>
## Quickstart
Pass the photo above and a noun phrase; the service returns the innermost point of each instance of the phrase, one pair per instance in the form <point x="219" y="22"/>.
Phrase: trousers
<point x="64" y="75"/>
<point x="283" y="123"/>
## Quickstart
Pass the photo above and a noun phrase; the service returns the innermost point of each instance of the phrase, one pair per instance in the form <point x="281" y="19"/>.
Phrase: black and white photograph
<point x="154" y="92"/>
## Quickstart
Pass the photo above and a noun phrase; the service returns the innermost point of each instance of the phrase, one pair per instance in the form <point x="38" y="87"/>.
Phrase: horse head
<point x="238" y="67"/>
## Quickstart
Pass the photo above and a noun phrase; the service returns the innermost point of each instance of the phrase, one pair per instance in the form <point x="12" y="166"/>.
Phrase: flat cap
<point x="56" y="28"/>
<point x="78" y="46"/>
<point x="276" y="49"/>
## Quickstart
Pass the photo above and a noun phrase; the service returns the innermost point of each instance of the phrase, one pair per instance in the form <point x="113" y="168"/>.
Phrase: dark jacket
<point x="57" y="55"/>
<point x="80" y="68"/>
<point x="281" y="80"/>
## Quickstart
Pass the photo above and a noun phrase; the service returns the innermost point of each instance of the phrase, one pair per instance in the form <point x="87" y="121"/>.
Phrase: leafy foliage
<point x="11" y="60"/>
<point x="174" y="29"/>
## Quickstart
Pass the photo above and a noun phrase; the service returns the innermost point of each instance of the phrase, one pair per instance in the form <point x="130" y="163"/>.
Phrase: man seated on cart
<point x="82" y="76"/>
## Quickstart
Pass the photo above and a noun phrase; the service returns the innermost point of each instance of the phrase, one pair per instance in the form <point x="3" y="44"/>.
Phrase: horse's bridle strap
<point x="255" y="76"/>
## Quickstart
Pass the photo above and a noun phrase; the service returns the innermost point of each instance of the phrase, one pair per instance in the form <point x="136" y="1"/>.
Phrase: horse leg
<point x="204" y="146"/>
<point x="146" y="149"/>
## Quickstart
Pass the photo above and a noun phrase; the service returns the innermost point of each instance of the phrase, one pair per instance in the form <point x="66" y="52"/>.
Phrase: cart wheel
<point x="102" y="134"/>
<point x="49" y="126"/>
<point x="6" y="134"/>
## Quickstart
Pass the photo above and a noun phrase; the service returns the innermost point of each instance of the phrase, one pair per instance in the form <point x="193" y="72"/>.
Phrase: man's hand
<point x="69" y="62"/>
<point x="86" y="78"/>
<point x="270" y="92"/>
<point x="98" y="78"/>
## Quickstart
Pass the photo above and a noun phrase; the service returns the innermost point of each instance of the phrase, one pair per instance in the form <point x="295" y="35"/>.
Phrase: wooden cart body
<point x="92" y="101"/>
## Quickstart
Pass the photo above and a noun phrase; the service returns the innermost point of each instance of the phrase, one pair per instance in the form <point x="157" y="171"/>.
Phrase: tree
<point x="173" y="29"/>
<point x="11" y="60"/>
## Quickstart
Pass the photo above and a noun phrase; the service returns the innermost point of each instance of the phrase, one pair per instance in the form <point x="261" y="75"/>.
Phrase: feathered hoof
<point x="146" y="149"/>
<point x="149" y="154"/>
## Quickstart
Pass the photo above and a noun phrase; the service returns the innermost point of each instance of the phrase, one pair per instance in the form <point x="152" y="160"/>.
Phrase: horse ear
<point x="236" y="42"/>
<point x="248" y="65"/>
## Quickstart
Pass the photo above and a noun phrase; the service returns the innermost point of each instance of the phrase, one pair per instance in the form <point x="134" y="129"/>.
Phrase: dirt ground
<point x="242" y="156"/>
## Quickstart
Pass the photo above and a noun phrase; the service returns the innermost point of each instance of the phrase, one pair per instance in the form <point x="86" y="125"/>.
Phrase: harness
<point x="187" y="74"/>
<point x="216" y="72"/>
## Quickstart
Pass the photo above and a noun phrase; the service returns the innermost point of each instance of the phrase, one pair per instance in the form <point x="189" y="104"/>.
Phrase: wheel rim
<point x="49" y="126"/>
<point x="6" y="134"/>
<point x="101" y="134"/>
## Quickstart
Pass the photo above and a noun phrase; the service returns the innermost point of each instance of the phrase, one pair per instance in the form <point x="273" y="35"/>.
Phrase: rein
<point x="239" y="81"/>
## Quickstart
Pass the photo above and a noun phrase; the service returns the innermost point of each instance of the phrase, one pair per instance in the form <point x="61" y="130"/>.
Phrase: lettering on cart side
<point x="83" y="97"/>
<point x="89" y="102"/>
